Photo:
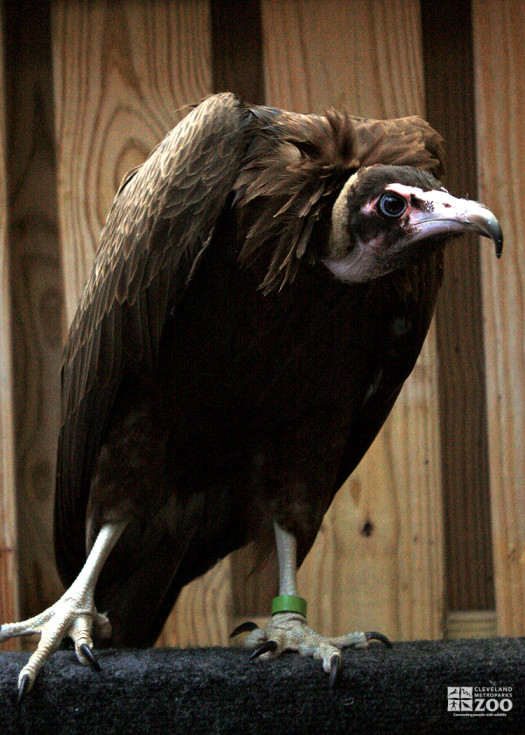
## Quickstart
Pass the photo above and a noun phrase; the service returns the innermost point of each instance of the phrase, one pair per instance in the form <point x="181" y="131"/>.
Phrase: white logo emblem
<point x="489" y="701"/>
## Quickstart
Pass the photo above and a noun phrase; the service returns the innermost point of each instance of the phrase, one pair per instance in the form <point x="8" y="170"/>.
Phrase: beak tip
<point x="489" y="227"/>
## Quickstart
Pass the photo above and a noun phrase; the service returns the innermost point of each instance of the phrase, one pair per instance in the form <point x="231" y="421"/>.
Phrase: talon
<point x="90" y="656"/>
<point x="243" y="628"/>
<point x="373" y="636"/>
<point x="266" y="647"/>
<point x="335" y="665"/>
<point x="23" y="687"/>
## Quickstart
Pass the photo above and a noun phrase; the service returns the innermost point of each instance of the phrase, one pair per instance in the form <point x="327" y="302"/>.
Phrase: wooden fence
<point x="427" y="538"/>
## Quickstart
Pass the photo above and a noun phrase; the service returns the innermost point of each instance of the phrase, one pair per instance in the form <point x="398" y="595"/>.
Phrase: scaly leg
<point x="73" y="615"/>
<point x="287" y="629"/>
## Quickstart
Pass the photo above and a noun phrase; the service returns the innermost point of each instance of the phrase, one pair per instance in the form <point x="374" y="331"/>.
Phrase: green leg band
<point x="289" y="603"/>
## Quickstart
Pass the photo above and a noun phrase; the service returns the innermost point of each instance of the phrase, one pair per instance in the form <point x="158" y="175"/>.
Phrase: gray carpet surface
<point x="219" y="691"/>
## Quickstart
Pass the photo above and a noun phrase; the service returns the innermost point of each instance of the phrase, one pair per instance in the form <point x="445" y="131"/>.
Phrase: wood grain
<point x="203" y="614"/>
<point x="449" y="75"/>
<point x="36" y="295"/>
<point x="499" y="40"/>
<point x="471" y="624"/>
<point x="9" y="607"/>
<point x="123" y="73"/>
<point x="237" y="54"/>
<point x="378" y="561"/>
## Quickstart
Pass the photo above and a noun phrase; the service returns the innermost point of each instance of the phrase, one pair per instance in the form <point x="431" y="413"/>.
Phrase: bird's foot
<point x="289" y="632"/>
<point x="72" y="616"/>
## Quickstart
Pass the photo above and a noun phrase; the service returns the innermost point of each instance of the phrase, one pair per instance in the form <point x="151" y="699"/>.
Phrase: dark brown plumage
<point x="219" y="375"/>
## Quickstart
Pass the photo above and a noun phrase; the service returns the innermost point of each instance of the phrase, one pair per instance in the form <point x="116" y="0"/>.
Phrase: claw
<point x="86" y="651"/>
<point x="243" y="628"/>
<point x="265" y="647"/>
<point x="373" y="636"/>
<point x="23" y="687"/>
<point x="335" y="665"/>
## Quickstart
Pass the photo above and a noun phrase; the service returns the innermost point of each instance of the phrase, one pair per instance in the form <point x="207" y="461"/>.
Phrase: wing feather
<point x="163" y="215"/>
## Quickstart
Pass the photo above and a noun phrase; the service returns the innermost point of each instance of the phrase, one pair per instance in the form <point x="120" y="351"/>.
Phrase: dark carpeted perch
<point x="217" y="690"/>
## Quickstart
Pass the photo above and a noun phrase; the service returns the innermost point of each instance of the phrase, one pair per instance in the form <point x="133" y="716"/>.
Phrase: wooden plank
<point x="499" y="40"/>
<point x="449" y="75"/>
<point x="378" y="561"/>
<point x="9" y="608"/>
<point x="122" y="71"/>
<point x="471" y="624"/>
<point x="236" y="54"/>
<point x="203" y="613"/>
<point x="36" y="294"/>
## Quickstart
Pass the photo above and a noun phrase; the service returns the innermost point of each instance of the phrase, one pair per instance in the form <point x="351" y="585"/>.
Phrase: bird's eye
<point x="392" y="205"/>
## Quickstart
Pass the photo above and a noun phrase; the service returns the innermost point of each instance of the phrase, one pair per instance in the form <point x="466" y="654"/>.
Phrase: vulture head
<point x="387" y="217"/>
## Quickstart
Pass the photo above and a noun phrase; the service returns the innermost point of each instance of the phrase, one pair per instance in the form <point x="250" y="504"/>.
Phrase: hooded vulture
<point x="263" y="287"/>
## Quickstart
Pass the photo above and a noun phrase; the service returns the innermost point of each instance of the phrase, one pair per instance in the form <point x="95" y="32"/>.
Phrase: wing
<point x="161" y="220"/>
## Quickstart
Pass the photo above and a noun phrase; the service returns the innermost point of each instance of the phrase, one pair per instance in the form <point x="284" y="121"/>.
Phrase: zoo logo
<point x="490" y="701"/>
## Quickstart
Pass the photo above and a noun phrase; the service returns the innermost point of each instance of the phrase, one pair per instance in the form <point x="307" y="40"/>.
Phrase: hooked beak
<point x="438" y="212"/>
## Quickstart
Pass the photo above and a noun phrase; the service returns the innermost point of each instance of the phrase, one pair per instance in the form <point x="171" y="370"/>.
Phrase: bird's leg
<point x="287" y="629"/>
<point x="72" y="616"/>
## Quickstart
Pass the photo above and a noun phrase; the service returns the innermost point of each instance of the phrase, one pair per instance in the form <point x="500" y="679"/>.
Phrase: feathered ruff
<point x="295" y="166"/>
